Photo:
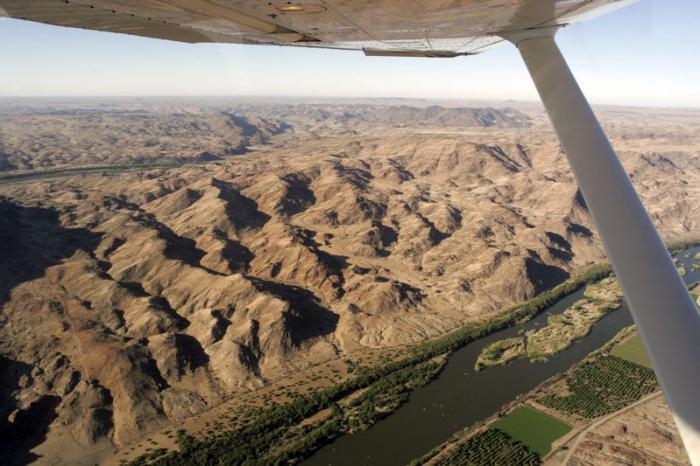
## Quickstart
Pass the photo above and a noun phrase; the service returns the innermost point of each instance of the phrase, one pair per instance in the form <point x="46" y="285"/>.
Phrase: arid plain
<point x="158" y="258"/>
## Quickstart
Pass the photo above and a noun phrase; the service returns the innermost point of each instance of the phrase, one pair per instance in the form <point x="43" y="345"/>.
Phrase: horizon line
<point x="309" y="97"/>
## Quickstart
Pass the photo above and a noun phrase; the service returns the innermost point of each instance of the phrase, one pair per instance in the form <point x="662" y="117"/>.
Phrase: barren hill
<point x="43" y="137"/>
<point x="134" y="299"/>
<point x="46" y="138"/>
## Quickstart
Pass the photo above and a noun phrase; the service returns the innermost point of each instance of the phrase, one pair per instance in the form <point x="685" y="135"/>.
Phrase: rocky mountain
<point x="132" y="300"/>
<point x="351" y="116"/>
<point x="46" y="137"/>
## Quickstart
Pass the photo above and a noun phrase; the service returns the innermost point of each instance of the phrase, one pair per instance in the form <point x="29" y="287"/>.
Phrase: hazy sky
<point x="645" y="54"/>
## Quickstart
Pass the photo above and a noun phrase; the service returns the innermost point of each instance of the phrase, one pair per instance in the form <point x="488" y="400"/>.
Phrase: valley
<point x="167" y="262"/>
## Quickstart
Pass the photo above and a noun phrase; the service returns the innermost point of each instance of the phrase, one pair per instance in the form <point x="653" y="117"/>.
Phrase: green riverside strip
<point x="251" y="444"/>
<point x="259" y="443"/>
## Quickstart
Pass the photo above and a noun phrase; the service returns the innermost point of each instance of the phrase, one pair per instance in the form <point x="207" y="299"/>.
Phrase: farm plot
<point x="492" y="447"/>
<point x="535" y="429"/>
<point x="633" y="350"/>
<point x="602" y="386"/>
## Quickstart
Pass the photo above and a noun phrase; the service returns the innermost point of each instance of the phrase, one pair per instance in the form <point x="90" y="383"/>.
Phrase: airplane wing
<point x="665" y="314"/>
<point x="439" y="28"/>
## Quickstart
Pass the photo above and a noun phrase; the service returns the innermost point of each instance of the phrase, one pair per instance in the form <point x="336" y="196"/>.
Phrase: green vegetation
<point x="535" y="429"/>
<point x="501" y="352"/>
<point x="277" y="436"/>
<point x="274" y="438"/>
<point x="511" y="316"/>
<point x="490" y="448"/>
<point x="608" y="290"/>
<point x="388" y="393"/>
<point x="88" y="169"/>
<point x="563" y="329"/>
<point x="633" y="350"/>
<point x="520" y="429"/>
<point x="602" y="386"/>
<point x="678" y="246"/>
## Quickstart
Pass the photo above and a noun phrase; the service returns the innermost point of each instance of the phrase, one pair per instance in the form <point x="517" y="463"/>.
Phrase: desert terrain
<point x="642" y="434"/>
<point x="211" y="248"/>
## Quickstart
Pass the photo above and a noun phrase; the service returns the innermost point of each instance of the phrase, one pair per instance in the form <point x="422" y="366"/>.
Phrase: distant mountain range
<point x="132" y="300"/>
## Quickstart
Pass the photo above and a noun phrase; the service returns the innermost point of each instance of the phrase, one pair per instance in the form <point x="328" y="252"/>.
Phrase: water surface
<point x="460" y="396"/>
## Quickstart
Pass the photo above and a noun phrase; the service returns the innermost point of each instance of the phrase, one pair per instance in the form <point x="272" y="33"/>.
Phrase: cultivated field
<point x="633" y="350"/>
<point x="490" y="448"/>
<point x="534" y="428"/>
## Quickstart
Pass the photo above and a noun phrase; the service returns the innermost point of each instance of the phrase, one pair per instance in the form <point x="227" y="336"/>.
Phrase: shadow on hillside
<point x="299" y="196"/>
<point x="241" y="210"/>
<point x="237" y="255"/>
<point x="32" y="239"/>
<point x="543" y="276"/>
<point x="561" y="248"/>
<point x="308" y="318"/>
<point x="21" y="429"/>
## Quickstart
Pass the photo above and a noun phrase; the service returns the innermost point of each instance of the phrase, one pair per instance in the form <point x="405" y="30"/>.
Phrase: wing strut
<point x="665" y="314"/>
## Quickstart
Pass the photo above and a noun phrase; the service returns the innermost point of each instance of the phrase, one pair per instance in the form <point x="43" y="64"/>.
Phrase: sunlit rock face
<point x="134" y="298"/>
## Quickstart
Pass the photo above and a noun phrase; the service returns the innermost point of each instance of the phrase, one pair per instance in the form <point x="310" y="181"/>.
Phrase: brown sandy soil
<point x="240" y="404"/>
<point x="642" y="433"/>
<point x="645" y="434"/>
<point x="134" y="302"/>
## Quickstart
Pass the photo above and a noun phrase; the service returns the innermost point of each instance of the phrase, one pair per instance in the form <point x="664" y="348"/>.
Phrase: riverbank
<point x="613" y="386"/>
<point x="599" y="298"/>
<point x="261" y="436"/>
<point x="275" y="434"/>
<point x="568" y="425"/>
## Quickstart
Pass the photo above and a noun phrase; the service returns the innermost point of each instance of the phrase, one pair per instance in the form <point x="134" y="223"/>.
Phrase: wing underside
<point x="380" y="27"/>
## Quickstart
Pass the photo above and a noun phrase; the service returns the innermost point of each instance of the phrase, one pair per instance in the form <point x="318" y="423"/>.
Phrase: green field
<point x="490" y="448"/>
<point x="535" y="429"/>
<point x="602" y="386"/>
<point x="633" y="350"/>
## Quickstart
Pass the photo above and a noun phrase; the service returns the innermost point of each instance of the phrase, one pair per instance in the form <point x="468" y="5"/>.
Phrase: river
<point x="460" y="396"/>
